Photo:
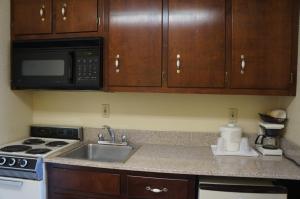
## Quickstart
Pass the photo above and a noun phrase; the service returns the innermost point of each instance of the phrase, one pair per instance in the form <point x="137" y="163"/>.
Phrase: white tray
<point x="251" y="153"/>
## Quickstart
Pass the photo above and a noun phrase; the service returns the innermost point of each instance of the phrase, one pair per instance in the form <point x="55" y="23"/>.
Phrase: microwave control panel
<point x="87" y="68"/>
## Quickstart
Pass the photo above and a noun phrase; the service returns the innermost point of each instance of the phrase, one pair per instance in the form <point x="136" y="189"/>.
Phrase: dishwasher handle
<point x="275" y="189"/>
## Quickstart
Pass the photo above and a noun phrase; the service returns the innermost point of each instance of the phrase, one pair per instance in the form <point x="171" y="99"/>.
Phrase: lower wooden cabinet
<point x="74" y="182"/>
<point x="86" y="181"/>
<point x="70" y="196"/>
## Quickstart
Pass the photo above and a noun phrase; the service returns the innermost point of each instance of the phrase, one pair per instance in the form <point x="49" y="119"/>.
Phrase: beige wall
<point x="181" y="112"/>
<point x="293" y="107"/>
<point x="15" y="108"/>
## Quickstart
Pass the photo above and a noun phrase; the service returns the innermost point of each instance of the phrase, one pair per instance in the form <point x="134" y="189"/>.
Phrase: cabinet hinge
<point x="292" y="78"/>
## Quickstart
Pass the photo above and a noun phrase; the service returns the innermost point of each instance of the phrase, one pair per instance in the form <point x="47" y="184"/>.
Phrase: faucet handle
<point x="101" y="137"/>
<point x="124" y="138"/>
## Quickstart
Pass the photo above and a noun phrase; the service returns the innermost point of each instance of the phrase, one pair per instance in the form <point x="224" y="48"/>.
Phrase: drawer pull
<point x="154" y="190"/>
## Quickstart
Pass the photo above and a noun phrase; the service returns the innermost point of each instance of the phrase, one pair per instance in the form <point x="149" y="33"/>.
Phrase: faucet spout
<point x="110" y="132"/>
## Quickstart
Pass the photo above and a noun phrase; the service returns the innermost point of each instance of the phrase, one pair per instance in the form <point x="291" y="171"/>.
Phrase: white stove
<point x="22" y="169"/>
<point x="35" y="147"/>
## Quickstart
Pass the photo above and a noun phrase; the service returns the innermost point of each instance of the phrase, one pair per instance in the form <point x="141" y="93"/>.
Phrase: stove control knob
<point x="23" y="163"/>
<point x="2" y="161"/>
<point x="12" y="162"/>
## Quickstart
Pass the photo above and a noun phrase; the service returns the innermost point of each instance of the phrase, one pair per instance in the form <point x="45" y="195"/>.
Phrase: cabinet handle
<point x="42" y="13"/>
<point x="243" y="64"/>
<point x="99" y="21"/>
<point x="64" y="11"/>
<point x="178" y="64"/>
<point x="155" y="190"/>
<point x="117" y="63"/>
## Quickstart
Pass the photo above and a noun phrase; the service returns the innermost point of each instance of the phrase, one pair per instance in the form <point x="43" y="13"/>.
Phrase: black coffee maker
<point x="269" y="136"/>
<point x="270" y="130"/>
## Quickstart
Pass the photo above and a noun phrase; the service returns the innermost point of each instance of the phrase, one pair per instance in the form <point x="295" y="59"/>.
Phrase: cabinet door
<point x="76" y="16"/>
<point x="261" y="44"/>
<point x="196" y="43"/>
<point x="135" y="43"/>
<point x="64" y="196"/>
<point x="85" y="181"/>
<point x="31" y="17"/>
<point x="76" y="196"/>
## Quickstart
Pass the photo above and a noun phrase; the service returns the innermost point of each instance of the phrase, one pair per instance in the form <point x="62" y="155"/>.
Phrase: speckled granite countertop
<point x="194" y="160"/>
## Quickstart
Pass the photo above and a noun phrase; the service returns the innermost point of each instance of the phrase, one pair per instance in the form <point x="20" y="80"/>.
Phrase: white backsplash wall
<point x="15" y="107"/>
<point x="149" y="111"/>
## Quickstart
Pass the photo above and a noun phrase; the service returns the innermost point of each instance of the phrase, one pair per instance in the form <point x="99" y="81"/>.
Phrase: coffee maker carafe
<point x="268" y="140"/>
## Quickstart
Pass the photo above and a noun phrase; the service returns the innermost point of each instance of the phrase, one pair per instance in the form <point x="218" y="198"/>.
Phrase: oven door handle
<point x="12" y="183"/>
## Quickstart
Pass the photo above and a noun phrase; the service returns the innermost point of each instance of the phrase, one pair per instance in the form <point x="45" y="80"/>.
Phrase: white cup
<point x="221" y="144"/>
<point x="244" y="146"/>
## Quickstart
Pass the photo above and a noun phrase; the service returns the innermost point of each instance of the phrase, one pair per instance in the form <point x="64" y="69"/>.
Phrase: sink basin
<point x="102" y="153"/>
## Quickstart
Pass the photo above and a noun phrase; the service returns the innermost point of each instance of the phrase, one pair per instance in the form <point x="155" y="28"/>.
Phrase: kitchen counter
<point x="194" y="161"/>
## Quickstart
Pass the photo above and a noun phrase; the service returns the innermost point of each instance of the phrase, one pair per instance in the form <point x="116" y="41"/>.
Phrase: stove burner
<point x="56" y="144"/>
<point x="38" y="151"/>
<point x="15" y="148"/>
<point x="33" y="141"/>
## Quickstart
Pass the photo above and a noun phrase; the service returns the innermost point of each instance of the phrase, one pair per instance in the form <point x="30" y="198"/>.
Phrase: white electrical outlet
<point x="233" y="115"/>
<point x="105" y="110"/>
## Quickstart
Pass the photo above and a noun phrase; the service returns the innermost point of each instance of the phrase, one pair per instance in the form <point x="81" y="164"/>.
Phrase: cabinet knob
<point x="178" y="64"/>
<point x="243" y="64"/>
<point x="117" y="63"/>
<point x="156" y="190"/>
<point x="64" y="11"/>
<point x="42" y="13"/>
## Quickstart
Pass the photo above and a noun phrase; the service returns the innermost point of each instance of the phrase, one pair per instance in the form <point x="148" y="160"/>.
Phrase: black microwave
<point x="66" y="64"/>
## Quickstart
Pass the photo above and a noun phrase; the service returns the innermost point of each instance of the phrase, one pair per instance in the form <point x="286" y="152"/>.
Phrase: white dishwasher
<point x="228" y="188"/>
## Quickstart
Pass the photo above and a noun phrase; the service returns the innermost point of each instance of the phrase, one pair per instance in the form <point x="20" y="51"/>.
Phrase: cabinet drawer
<point x="85" y="181"/>
<point x="150" y="187"/>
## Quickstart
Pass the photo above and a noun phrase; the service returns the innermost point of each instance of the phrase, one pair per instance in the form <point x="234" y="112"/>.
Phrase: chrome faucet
<point x="113" y="141"/>
<point x="111" y="133"/>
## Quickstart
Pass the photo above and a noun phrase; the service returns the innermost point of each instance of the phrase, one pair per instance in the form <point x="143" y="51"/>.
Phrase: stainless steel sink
<point x="102" y="153"/>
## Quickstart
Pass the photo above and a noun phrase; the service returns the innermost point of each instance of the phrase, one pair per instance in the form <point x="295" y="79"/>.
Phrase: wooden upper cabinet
<point x="261" y="44"/>
<point x="31" y="17"/>
<point x="196" y="43"/>
<point x="76" y="16"/>
<point x="135" y="43"/>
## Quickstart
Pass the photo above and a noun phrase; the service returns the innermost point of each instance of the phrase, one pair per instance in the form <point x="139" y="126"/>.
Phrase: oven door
<point x="11" y="188"/>
<point x="42" y="69"/>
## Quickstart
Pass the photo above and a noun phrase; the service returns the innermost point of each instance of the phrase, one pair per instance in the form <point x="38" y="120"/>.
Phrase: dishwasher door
<point x="240" y="189"/>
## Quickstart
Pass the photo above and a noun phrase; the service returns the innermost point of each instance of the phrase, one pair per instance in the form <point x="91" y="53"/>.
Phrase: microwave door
<point x="43" y="70"/>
